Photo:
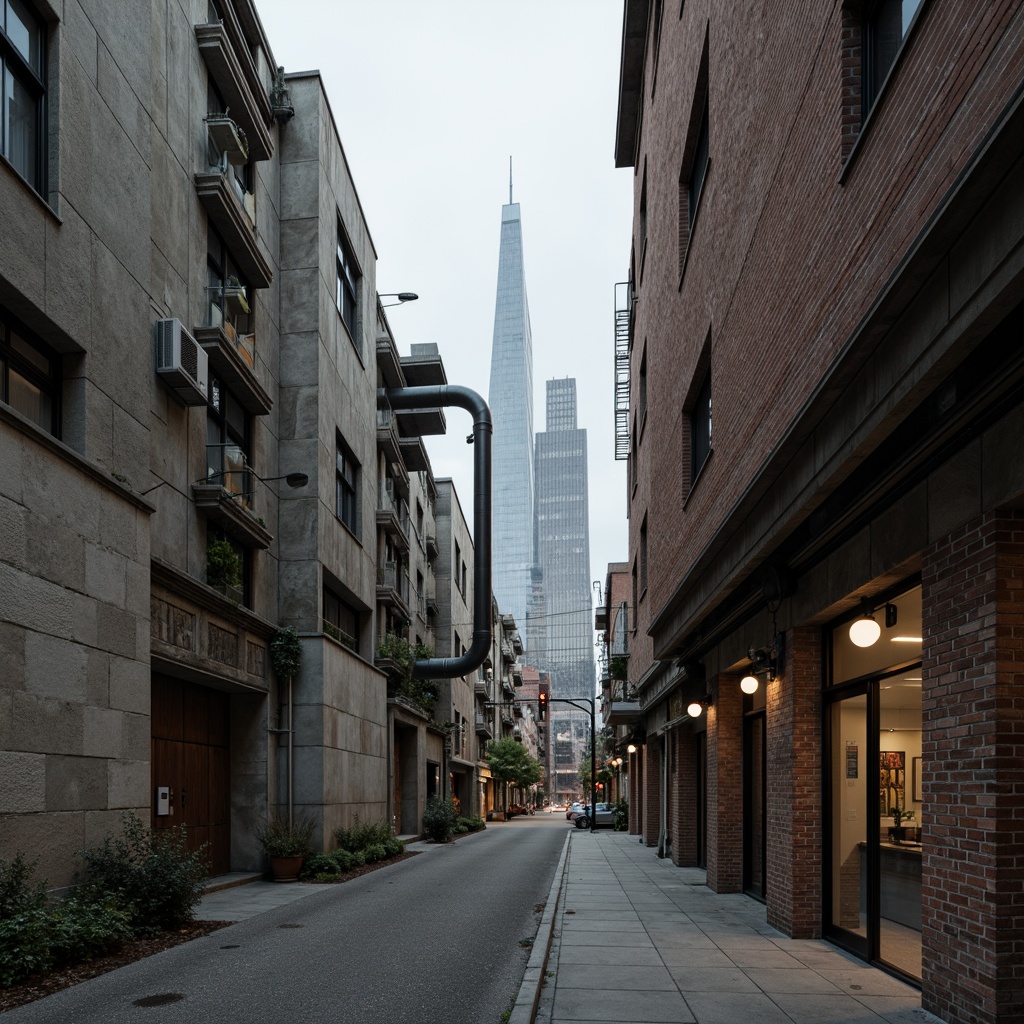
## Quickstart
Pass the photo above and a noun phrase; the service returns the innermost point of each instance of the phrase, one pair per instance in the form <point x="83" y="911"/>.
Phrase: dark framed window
<point x="347" y="487"/>
<point x="227" y="291"/>
<point x="641" y="399"/>
<point x="23" y="90"/>
<point x="341" y="620"/>
<point x="643" y="557"/>
<point x="347" y="288"/>
<point x="886" y="23"/>
<point x="228" y="442"/>
<point x="29" y="376"/>
<point x="700" y="428"/>
<point x="699" y="167"/>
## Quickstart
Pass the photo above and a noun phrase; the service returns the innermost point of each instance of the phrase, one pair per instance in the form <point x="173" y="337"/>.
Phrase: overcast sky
<point x="431" y="98"/>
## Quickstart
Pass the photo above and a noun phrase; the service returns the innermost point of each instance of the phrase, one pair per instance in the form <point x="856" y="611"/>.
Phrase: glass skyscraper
<point x="511" y="401"/>
<point x="562" y="544"/>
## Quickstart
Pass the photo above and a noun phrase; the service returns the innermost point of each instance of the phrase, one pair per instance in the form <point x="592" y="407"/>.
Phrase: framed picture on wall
<point x="892" y="781"/>
<point x="917" y="790"/>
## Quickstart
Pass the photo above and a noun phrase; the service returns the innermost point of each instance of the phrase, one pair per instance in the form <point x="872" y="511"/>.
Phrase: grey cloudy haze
<point x="430" y="98"/>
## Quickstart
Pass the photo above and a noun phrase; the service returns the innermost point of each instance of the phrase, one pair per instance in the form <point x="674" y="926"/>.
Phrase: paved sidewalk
<point x="636" y="940"/>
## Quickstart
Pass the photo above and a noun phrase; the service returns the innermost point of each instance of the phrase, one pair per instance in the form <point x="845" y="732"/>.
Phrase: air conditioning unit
<point x="182" y="362"/>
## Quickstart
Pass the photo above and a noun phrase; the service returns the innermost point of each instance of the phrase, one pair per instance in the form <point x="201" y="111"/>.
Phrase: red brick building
<point x="823" y="347"/>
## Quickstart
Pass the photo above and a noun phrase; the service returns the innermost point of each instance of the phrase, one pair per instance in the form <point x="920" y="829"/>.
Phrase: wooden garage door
<point x="191" y="755"/>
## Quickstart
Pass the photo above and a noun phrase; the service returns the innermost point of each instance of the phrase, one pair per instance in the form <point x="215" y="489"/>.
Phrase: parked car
<point x="605" y="816"/>
<point x="572" y="809"/>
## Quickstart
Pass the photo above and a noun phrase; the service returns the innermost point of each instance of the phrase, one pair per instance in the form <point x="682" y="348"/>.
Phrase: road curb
<point x="524" y="1009"/>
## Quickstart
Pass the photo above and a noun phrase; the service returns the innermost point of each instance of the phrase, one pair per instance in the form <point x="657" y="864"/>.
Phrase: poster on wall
<point x="851" y="760"/>
<point x="892" y="781"/>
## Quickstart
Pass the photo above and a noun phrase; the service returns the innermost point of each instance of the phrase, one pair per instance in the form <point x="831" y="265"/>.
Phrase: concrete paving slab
<point x="733" y="1007"/>
<point x="819" y="1009"/>
<point x="610" y="1005"/>
<point x="711" y="979"/>
<point x="618" y="977"/>
<point x="626" y="956"/>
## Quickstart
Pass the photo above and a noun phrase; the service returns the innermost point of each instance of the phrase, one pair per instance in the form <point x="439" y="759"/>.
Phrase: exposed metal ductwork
<point x="446" y="395"/>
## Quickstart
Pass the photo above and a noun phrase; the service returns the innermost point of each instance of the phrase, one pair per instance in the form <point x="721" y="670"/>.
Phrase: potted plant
<point x="897" y="832"/>
<point x="286" y="844"/>
<point x="224" y="569"/>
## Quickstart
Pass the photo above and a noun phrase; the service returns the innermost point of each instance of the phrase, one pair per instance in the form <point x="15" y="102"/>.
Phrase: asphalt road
<point x="432" y="940"/>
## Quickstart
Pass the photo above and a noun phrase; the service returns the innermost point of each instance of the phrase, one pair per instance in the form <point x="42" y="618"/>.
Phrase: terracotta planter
<point x="285" y="869"/>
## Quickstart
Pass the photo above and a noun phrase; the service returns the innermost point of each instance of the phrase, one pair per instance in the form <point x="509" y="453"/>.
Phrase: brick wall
<point x="651" y="800"/>
<point x="725" y="787"/>
<point x="973" y="741"/>
<point x="682" y="796"/>
<point x="636" y="790"/>
<point x="793" y="736"/>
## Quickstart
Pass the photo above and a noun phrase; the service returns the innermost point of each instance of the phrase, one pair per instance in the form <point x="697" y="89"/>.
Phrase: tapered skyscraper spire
<point x="511" y="401"/>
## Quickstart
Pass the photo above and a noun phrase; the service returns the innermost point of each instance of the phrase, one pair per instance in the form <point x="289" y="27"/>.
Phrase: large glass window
<point x="699" y="170"/>
<point x="29" y="376"/>
<point x="22" y="89"/>
<point x="876" y="798"/>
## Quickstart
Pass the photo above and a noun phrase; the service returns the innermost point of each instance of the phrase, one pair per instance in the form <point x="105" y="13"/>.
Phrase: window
<point x="700" y="428"/>
<point x="642" y="220"/>
<point x="22" y="90"/>
<point x="643" y="557"/>
<point x="885" y="24"/>
<point x="227" y="442"/>
<point x="29" y="376"/>
<point x="347" y="491"/>
<point x="698" y="169"/>
<point x="341" y="620"/>
<point x="347" y="294"/>
<point x="642" y="389"/>
<point x="227" y="292"/>
<point x="636" y="595"/>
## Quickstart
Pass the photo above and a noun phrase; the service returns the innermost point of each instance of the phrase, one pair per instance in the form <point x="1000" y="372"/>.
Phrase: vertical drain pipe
<point x="445" y="395"/>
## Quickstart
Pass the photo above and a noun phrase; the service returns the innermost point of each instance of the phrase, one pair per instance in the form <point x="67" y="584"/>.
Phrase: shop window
<point x="23" y="91"/>
<point x="29" y="376"/>
<point x="699" y="421"/>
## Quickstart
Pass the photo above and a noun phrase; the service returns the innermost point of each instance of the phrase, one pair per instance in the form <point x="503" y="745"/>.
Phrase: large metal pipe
<point x="429" y="397"/>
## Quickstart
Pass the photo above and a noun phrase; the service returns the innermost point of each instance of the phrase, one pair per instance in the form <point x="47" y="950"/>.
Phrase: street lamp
<point x="401" y="296"/>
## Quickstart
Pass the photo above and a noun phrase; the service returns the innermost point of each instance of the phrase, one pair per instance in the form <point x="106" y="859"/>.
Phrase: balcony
<point x="387" y="436"/>
<point x="226" y="55"/>
<point x="393" y="517"/>
<point x="517" y="675"/>
<point x="433" y="608"/>
<point x="483" y="725"/>
<point x="231" y="350"/>
<point x="393" y="586"/>
<point x="507" y="653"/>
<point x="414" y="454"/>
<point x="431" y="545"/>
<point x="423" y="367"/>
<point x="420" y="422"/>
<point x="388" y="362"/>
<point x="480" y="689"/>
<point x="225" y="203"/>
<point x="225" y="496"/>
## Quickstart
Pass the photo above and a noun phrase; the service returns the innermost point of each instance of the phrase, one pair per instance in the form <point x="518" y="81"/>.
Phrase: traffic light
<point x="542" y="705"/>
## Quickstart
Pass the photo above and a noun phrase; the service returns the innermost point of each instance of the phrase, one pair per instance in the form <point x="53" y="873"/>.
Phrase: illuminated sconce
<point x="865" y="631"/>
<point x="696" y="708"/>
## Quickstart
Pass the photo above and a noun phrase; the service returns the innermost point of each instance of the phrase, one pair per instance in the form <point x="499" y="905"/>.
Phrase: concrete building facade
<point x="821" y="324"/>
<point x="192" y="452"/>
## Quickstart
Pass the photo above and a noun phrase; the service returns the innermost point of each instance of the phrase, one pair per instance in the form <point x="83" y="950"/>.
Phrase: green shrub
<point x="621" y="815"/>
<point x="358" y="859"/>
<point x="24" y="946"/>
<point x="439" y="819"/>
<point x="281" y="839"/>
<point x="318" y="864"/>
<point x="459" y="829"/>
<point x="474" y="824"/>
<point x="361" y="835"/>
<point x="344" y="860"/>
<point x="153" y="873"/>
<point x="394" y="847"/>
<point x="83" y="926"/>
<point x="375" y="852"/>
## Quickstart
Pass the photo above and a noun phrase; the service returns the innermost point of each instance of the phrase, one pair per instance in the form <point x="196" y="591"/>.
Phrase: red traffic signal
<point x="542" y="704"/>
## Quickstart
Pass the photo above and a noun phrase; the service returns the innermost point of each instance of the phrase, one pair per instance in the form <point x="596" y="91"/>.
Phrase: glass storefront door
<point x="875" y="802"/>
<point x="754" y="795"/>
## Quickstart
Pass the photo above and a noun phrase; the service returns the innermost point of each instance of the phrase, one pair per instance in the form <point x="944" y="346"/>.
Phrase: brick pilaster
<point x="972" y="887"/>
<point x="635" y="791"/>
<point x="725" y="787"/>
<point x="651" y="810"/>
<point x="793" y="736"/>
<point x="682" y="796"/>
